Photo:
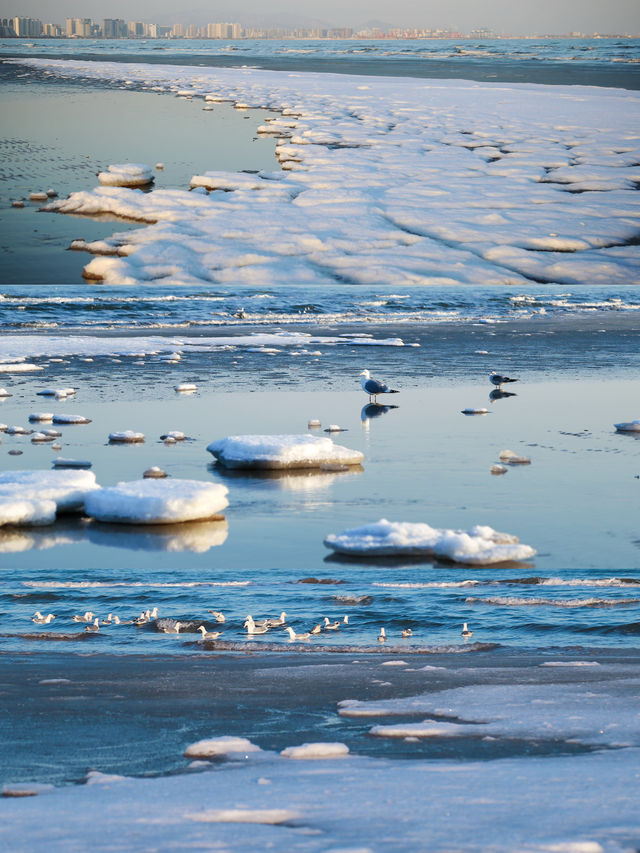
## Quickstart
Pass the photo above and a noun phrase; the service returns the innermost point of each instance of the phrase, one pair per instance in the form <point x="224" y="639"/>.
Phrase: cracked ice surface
<point x="403" y="182"/>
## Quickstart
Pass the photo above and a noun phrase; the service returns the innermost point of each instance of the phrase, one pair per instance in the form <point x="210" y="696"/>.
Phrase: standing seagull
<point x="372" y="387"/>
<point x="499" y="380"/>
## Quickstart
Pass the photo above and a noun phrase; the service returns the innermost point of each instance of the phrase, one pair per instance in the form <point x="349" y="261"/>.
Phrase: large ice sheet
<point x="389" y="180"/>
<point x="67" y="489"/>
<point x="479" y="546"/>
<point x="157" y="502"/>
<point x="281" y="451"/>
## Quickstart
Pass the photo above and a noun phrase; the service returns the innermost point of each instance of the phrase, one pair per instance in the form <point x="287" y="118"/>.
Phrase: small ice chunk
<point x="316" y="751"/>
<point x="175" y="434"/>
<point x="5" y="393"/>
<point x="41" y="417"/>
<point x="478" y="546"/>
<point x="40" y="438"/>
<point x="271" y="817"/>
<point x="281" y="451"/>
<point x="26" y="789"/>
<point x="498" y="469"/>
<point x="157" y="501"/>
<point x="214" y="747"/>
<point x="335" y="428"/>
<point x="512" y="458"/>
<point x="314" y="423"/>
<point x="71" y="419"/>
<point x="154" y="473"/>
<point x="18" y="430"/>
<point x="38" y="196"/>
<point x="629" y="426"/>
<point x="56" y="392"/>
<point x="475" y="411"/>
<point x="185" y="387"/>
<point x="71" y="463"/>
<point x="126" y="175"/>
<point x="17" y="203"/>
<point x="27" y="513"/>
<point x="127" y="436"/>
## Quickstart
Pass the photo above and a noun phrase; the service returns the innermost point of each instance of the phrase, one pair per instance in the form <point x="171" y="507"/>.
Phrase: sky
<point x="510" y="16"/>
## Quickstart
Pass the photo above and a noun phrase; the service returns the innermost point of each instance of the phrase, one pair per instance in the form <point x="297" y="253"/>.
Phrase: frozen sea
<point x="393" y="232"/>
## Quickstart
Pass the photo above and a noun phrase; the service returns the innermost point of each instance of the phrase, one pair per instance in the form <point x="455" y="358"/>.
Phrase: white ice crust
<point x="157" y="501"/>
<point x="479" y="546"/>
<point x="217" y="746"/>
<point x="66" y="489"/>
<point x="430" y="181"/>
<point x="281" y="451"/>
<point x="628" y="426"/>
<point x="315" y="751"/>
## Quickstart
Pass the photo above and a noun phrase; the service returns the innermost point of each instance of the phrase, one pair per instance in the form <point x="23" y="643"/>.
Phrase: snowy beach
<point x="430" y="231"/>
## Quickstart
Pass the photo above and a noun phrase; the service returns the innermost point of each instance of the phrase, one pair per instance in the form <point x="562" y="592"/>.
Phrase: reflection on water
<point x="498" y="394"/>
<point x="374" y="410"/>
<point x="293" y="479"/>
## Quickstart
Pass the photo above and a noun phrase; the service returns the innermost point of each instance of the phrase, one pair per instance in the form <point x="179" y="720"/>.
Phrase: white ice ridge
<point x="479" y="546"/>
<point x="388" y="180"/>
<point x="314" y="751"/>
<point x="281" y="451"/>
<point x="45" y="492"/>
<point x="70" y="345"/>
<point x="126" y="175"/>
<point x="157" y="502"/>
<point x="218" y="746"/>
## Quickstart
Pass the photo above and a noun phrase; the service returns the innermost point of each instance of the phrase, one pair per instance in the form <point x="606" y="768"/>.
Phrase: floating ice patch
<point x="60" y="462"/>
<point x="155" y="501"/>
<point x="19" y="367"/>
<point x="5" y="393"/>
<point x="426" y="729"/>
<point x="265" y="816"/>
<point x="26" y="789"/>
<point x="67" y="489"/>
<point x="479" y="546"/>
<point x="217" y="746"/>
<point x="126" y="175"/>
<point x="629" y="426"/>
<point x="71" y="419"/>
<point x="281" y="451"/>
<point x="127" y="436"/>
<point x="313" y="751"/>
<point x="40" y="417"/>
<point x="56" y="392"/>
<point x="185" y="388"/>
<point x="25" y="513"/>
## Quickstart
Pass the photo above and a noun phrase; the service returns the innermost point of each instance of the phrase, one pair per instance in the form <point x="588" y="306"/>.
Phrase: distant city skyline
<point x="509" y="16"/>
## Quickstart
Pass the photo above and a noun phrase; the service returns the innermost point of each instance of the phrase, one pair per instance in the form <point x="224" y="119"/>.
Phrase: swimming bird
<point x="39" y="619"/>
<point x="93" y="628"/>
<point x="218" y="615"/>
<point x="294" y="636"/>
<point x="88" y="616"/>
<point x="331" y="626"/>
<point x="108" y="620"/>
<point x="498" y="379"/>
<point x="373" y="387"/>
<point x="407" y="632"/>
<point x="253" y="628"/>
<point x="382" y="636"/>
<point x="173" y="629"/>
<point x="275" y="622"/>
<point x="317" y="629"/>
<point x="209" y="635"/>
<point x="465" y="631"/>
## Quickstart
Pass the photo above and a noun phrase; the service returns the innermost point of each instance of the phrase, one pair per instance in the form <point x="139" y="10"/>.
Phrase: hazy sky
<point x="515" y="16"/>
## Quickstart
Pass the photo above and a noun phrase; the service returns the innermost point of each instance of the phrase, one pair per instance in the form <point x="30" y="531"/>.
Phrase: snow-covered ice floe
<point x="479" y="546"/>
<point x="34" y="497"/>
<point x="157" y="502"/>
<point x="315" y="751"/>
<point x="220" y="746"/>
<point x="629" y="426"/>
<point x="281" y="451"/>
<point x="430" y="181"/>
<point x="127" y="436"/>
<point x="126" y="175"/>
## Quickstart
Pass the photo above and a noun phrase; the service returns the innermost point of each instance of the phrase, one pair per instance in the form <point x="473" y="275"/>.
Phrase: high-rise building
<point x="27" y="27"/>
<point x="113" y="28"/>
<point x="135" y="29"/>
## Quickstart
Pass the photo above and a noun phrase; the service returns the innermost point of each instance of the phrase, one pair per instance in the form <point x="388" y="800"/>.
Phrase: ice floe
<point x="126" y="175"/>
<point x="127" y="436"/>
<point x="67" y="489"/>
<point x="431" y="181"/>
<point x="314" y="751"/>
<point x="71" y="419"/>
<point x="629" y="426"/>
<point x="157" y="501"/>
<point x="479" y="546"/>
<point x="215" y="747"/>
<point x="281" y="452"/>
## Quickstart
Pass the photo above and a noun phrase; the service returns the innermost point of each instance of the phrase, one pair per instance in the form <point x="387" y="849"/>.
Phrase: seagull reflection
<point x="374" y="410"/>
<point x="499" y="394"/>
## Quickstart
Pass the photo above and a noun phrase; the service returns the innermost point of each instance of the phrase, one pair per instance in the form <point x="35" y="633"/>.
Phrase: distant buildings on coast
<point x="118" y="28"/>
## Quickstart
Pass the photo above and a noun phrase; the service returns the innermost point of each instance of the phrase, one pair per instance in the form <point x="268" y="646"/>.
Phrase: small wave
<point x="127" y="584"/>
<point x="513" y="601"/>
<point x="311" y="647"/>
<point x="427" y="585"/>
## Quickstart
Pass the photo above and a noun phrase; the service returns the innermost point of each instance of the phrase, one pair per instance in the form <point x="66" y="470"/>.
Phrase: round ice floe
<point x="316" y="750"/>
<point x="475" y="411"/>
<point x="18" y="366"/>
<point x="314" y="423"/>
<point x="71" y="419"/>
<point x="214" y="747"/>
<point x="175" y="434"/>
<point x="17" y="203"/>
<point x="38" y="196"/>
<point x="185" y="387"/>
<point x="27" y="513"/>
<point x="67" y="489"/>
<point x="478" y="546"/>
<point x="18" y="430"/>
<point x="513" y="459"/>
<point x="157" y="501"/>
<point x="40" y="438"/>
<point x="127" y="436"/>
<point x="126" y="175"/>
<point x="56" y="392"/>
<point x="41" y="417"/>
<point x="498" y="469"/>
<point x="629" y="426"/>
<point x="281" y="451"/>
<point x="71" y="463"/>
<point x="15" y="453"/>
<point x="154" y="473"/>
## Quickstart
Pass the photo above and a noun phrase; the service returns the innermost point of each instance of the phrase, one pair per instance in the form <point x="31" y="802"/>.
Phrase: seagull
<point x="93" y="628"/>
<point x="218" y="615"/>
<point x="252" y="628"/>
<point x="209" y="635"/>
<point x="317" y="629"/>
<point x="498" y="379"/>
<point x="331" y="626"/>
<point x="39" y="619"/>
<point x="465" y="631"/>
<point x="372" y="387"/>
<point x="382" y="636"/>
<point x="173" y="629"/>
<point x="294" y="636"/>
<point x="88" y="617"/>
<point x="407" y="632"/>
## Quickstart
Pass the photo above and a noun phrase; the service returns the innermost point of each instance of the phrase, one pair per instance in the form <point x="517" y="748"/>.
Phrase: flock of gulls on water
<point x="253" y="626"/>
